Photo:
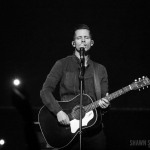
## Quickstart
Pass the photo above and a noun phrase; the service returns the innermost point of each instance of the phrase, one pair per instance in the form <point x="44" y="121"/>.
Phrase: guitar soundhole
<point x="76" y="113"/>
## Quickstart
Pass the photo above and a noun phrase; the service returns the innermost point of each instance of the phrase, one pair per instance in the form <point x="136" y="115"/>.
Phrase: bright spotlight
<point x="2" y="142"/>
<point x="16" y="82"/>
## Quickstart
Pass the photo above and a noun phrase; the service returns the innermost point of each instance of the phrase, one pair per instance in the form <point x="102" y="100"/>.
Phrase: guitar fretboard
<point x="110" y="97"/>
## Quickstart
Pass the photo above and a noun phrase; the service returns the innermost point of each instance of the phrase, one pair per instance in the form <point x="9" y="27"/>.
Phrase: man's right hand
<point x="63" y="118"/>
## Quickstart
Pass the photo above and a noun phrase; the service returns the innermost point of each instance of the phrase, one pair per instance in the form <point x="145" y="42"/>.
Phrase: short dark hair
<point x="81" y="26"/>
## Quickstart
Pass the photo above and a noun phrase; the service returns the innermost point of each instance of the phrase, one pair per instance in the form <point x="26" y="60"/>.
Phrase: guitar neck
<point x="110" y="97"/>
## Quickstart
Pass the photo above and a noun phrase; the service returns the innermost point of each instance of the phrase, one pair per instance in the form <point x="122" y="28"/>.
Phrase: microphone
<point x="82" y="52"/>
<point x="82" y="56"/>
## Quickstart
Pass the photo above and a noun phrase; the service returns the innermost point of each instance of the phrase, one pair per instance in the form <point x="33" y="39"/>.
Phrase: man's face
<point x="82" y="39"/>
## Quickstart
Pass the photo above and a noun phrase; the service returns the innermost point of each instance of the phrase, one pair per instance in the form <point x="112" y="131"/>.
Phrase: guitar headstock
<point x="140" y="83"/>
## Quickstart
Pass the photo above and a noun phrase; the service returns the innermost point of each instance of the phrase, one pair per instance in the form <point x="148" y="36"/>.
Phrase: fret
<point x="120" y="92"/>
<point x="126" y="89"/>
<point x="115" y="94"/>
<point x="91" y="106"/>
<point x="111" y="96"/>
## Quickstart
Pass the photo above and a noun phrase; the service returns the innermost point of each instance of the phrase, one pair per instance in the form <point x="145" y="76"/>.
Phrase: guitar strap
<point x="96" y="80"/>
<point x="97" y="85"/>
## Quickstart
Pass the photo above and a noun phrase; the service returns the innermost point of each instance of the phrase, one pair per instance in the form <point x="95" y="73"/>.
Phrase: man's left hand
<point x="104" y="103"/>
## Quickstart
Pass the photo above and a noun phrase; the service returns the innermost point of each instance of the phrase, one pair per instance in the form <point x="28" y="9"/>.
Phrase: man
<point x="66" y="72"/>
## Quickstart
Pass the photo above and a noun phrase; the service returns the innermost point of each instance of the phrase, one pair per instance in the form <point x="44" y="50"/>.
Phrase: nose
<point x="83" y="39"/>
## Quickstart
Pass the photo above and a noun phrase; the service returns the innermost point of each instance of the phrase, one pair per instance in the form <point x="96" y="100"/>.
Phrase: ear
<point x="92" y="42"/>
<point x="73" y="43"/>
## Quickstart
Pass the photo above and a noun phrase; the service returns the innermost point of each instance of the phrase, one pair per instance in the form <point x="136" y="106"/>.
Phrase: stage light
<point x="16" y="82"/>
<point x="2" y="142"/>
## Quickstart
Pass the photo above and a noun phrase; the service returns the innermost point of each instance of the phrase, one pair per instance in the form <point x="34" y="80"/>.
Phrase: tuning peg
<point x="139" y="79"/>
<point x="135" y="80"/>
<point x="139" y="89"/>
<point x="143" y="77"/>
<point x="143" y="88"/>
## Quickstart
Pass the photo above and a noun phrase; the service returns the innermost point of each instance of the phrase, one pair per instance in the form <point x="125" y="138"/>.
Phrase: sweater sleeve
<point x="49" y="86"/>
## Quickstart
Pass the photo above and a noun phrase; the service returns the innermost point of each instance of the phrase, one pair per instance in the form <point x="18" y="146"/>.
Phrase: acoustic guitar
<point x="58" y="135"/>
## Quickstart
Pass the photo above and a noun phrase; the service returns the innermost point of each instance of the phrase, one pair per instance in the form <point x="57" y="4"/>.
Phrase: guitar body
<point x="58" y="135"/>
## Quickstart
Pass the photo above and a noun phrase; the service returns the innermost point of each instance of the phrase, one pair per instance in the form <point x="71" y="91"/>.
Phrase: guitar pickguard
<point x="74" y="124"/>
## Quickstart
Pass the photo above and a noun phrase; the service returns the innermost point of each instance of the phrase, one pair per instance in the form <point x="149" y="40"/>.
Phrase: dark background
<point x="37" y="33"/>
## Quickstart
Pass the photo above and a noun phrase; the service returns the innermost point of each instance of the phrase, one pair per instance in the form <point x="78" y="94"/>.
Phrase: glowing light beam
<point x="16" y="82"/>
<point x="2" y="142"/>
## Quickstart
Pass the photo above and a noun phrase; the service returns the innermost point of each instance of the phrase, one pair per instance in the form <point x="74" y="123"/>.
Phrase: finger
<point x="101" y="104"/>
<point x="107" y="94"/>
<point x="61" y="122"/>
<point x="67" y="120"/>
<point x="104" y="104"/>
<point x="64" y="122"/>
<point x="105" y="101"/>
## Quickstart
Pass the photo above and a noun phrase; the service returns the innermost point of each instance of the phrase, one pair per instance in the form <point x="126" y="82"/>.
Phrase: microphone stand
<point x="81" y="78"/>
